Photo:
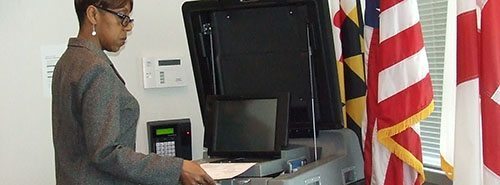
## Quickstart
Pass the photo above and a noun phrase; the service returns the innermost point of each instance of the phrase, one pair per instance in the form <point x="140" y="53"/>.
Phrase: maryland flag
<point x="348" y="39"/>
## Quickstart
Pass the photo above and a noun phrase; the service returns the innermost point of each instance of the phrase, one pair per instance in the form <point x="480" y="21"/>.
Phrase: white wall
<point x="26" y="150"/>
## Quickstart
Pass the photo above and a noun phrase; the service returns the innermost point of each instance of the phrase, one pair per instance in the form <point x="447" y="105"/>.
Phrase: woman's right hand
<point x="193" y="174"/>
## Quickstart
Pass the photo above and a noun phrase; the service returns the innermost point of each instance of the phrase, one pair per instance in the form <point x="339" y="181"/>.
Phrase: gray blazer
<point x="94" y="123"/>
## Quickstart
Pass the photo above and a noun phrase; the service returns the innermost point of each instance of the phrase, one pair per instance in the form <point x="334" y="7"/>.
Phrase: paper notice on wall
<point x="50" y="54"/>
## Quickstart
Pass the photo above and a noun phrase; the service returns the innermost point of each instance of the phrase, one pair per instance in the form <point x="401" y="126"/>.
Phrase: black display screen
<point x="246" y="125"/>
<point x="251" y="127"/>
<point x="169" y="62"/>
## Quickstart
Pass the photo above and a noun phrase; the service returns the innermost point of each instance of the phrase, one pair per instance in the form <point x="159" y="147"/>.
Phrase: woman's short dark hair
<point x="82" y="5"/>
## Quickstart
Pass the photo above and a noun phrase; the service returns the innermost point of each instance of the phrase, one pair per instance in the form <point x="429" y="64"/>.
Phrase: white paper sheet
<point x="225" y="170"/>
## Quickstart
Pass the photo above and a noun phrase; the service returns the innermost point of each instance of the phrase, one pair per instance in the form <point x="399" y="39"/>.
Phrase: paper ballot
<point x="220" y="171"/>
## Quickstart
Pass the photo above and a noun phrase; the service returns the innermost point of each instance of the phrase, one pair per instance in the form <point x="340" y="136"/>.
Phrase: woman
<point x="94" y="116"/>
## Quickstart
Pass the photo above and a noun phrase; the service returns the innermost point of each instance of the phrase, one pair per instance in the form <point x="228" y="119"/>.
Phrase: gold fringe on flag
<point x="384" y="137"/>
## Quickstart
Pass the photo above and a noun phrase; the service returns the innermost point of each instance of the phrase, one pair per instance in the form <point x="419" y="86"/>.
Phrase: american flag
<point x="399" y="93"/>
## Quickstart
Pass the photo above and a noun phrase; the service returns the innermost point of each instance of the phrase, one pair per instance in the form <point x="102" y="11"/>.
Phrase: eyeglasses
<point x="125" y="18"/>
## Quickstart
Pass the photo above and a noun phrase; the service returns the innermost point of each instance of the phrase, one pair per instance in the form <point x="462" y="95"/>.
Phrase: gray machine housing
<point x="248" y="47"/>
<point x="292" y="152"/>
<point x="341" y="163"/>
<point x="272" y="166"/>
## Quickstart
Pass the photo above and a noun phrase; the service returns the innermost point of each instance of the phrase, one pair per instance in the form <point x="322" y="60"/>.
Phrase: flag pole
<point x="311" y="80"/>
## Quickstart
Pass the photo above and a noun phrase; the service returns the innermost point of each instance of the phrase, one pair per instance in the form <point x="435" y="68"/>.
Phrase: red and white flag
<point x="476" y="142"/>
<point x="399" y="93"/>
<point x="489" y="89"/>
<point x="467" y="155"/>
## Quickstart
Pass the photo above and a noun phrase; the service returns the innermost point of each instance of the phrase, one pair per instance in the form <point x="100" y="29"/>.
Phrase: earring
<point x="93" y="30"/>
